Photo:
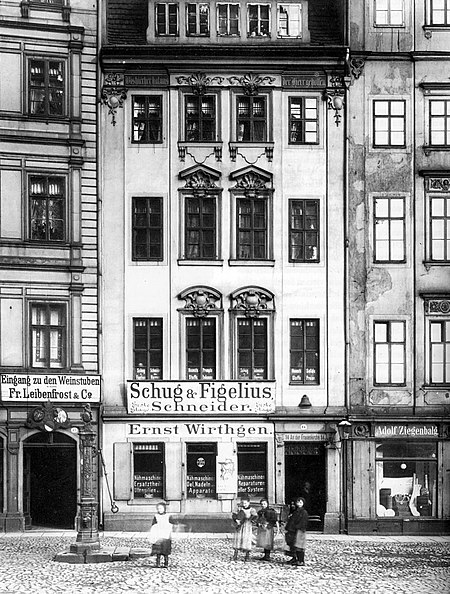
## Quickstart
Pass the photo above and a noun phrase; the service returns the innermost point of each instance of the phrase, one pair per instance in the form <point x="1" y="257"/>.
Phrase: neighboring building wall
<point x="227" y="283"/>
<point x="398" y="287"/>
<point x="48" y="231"/>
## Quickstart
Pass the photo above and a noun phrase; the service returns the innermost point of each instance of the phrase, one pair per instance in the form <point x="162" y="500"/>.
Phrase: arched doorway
<point x="50" y="480"/>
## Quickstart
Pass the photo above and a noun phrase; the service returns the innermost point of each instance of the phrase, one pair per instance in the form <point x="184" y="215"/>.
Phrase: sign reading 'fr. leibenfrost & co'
<point x="185" y="397"/>
<point x="17" y="387"/>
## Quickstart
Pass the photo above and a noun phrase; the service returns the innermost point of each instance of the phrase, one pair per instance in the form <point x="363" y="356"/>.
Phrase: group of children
<point x="267" y="526"/>
<point x="245" y="520"/>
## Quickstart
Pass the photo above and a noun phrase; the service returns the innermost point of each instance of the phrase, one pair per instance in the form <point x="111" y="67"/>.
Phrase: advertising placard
<point x="17" y="387"/>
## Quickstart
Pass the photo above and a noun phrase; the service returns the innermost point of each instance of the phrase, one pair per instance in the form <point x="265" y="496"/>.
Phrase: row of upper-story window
<point x="252" y="345"/>
<point x="252" y="221"/>
<point x="391" y="13"/>
<point x="230" y="19"/>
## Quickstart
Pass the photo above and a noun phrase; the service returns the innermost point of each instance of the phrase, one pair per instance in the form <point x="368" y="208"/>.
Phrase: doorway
<point x="50" y="481"/>
<point x="305" y="476"/>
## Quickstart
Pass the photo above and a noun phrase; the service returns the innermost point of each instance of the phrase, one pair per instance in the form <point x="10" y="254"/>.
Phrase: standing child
<point x="243" y="520"/>
<point x="296" y="532"/>
<point x="267" y="523"/>
<point x="161" y="535"/>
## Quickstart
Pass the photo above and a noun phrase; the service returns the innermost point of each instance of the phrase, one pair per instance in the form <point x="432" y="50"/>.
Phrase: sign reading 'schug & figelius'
<point x="185" y="397"/>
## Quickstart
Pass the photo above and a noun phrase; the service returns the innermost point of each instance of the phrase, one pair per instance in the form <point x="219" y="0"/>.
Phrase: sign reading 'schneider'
<point x="187" y="397"/>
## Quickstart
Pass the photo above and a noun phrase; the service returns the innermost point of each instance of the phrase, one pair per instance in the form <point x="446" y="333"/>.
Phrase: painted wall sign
<point x="55" y="387"/>
<point x="311" y="80"/>
<point x="146" y="80"/>
<point x="185" y="397"/>
<point x="200" y="430"/>
<point x="399" y="430"/>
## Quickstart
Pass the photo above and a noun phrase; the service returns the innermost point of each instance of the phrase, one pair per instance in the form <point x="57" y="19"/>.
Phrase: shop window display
<point x="201" y="470"/>
<point x="252" y="470"/>
<point x="406" y="477"/>
<point x="148" y="462"/>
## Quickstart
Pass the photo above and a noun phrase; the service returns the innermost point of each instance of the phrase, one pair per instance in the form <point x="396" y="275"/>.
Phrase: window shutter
<point x="122" y="471"/>
<point x="295" y="21"/>
<point x="173" y="471"/>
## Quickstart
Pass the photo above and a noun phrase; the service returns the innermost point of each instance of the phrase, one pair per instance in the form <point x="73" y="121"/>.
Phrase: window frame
<point x="388" y="12"/>
<point x="389" y="343"/>
<point x="252" y="229"/>
<point x="147" y="120"/>
<point x="389" y="117"/>
<point x="429" y="13"/>
<point x="198" y="19"/>
<point x="251" y="119"/>
<point x="282" y="5"/>
<point x="47" y="176"/>
<point x="304" y="350"/>
<point x="214" y="194"/>
<point x="46" y="88"/>
<point x="148" y="349"/>
<point x="202" y="350"/>
<point x="201" y="118"/>
<point x="444" y="322"/>
<point x="228" y="19"/>
<point x="445" y="117"/>
<point x="191" y="446"/>
<point x="430" y="196"/>
<point x="259" y="20"/>
<point x="167" y="22"/>
<point x="303" y="120"/>
<point x="47" y="328"/>
<point x="201" y="228"/>
<point x="390" y="219"/>
<point x="261" y="449"/>
<point x="304" y="231"/>
<point x="155" y="229"/>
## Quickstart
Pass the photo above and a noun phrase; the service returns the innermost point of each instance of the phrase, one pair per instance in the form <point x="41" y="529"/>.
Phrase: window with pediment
<point x="201" y="333"/>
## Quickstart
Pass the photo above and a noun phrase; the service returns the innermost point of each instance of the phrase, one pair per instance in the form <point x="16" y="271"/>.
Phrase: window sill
<point x="234" y="262"/>
<point x="215" y="145"/>
<point x="428" y="149"/>
<point x="265" y="146"/>
<point x="428" y="29"/>
<point x="429" y="264"/>
<point x="390" y="27"/>
<point x="185" y="262"/>
<point x="436" y="387"/>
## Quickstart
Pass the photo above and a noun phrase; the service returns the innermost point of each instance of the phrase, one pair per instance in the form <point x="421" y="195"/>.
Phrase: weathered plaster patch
<point x="379" y="281"/>
<point x="391" y="398"/>
<point x="437" y="397"/>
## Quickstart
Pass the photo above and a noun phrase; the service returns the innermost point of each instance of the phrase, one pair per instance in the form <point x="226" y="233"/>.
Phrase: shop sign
<point x="186" y="397"/>
<point x="307" y="80"/>
<point x="199" y="430"/>
<point x="53" y="387"/>
<point x="399" y="430"/>
<point x="146" y="80"/>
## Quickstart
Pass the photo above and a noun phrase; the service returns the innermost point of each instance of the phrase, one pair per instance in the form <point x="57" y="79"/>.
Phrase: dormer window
<point x="289" y="20"/>
<point x="166" y="19"/>
<point x="228" y="19"/>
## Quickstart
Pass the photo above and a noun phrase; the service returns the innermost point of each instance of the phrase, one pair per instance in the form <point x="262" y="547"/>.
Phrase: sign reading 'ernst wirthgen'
<point x="200" y="397"/>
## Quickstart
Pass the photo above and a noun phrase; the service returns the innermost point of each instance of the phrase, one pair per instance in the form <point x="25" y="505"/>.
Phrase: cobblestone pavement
<point x="202" y="564"/>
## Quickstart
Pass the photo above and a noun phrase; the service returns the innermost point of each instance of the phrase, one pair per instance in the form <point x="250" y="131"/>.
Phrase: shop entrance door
<point x="305" y="477"/>
<point x="50" y="481"/>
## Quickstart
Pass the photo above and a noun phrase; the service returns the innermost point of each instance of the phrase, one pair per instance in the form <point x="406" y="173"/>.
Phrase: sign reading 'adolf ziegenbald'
<point x="185" y="397"/>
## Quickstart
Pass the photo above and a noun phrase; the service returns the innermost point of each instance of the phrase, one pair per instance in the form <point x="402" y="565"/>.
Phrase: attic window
<point x="290" y="20"/>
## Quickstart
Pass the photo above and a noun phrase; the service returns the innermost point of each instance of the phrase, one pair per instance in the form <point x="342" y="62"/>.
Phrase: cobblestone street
<point x="203" y="565"/>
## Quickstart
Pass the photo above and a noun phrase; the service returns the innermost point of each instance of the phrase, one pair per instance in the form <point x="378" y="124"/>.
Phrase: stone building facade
<point x="48" y="255"/>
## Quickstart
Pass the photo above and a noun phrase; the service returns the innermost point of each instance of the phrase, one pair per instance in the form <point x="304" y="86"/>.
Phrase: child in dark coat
<point x="296" y="533"/>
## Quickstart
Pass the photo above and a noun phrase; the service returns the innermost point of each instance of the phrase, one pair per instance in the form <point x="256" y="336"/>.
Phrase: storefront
<point x="40" y="419"/>
<point x="199" y="446"/>
<point x="399" y="482"/>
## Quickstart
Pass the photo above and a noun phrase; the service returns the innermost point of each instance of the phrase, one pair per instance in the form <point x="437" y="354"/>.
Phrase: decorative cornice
<point x="252" y="301"/>
<point x="200" y="301"/>
<point x="251" y="82"/>
<point x="199" y="82"/>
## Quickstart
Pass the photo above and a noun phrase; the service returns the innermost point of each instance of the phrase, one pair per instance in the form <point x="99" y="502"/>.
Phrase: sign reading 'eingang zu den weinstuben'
<point x="187" y="397"/>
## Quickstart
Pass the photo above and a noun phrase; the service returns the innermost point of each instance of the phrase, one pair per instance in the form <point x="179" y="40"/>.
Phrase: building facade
<point x="399" y="277"/>
<point x="48" y="255"/>
<point x="222" y="237"/>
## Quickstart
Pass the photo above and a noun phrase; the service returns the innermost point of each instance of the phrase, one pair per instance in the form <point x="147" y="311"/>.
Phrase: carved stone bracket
<point x="48" y="417"/>
<point x="199" y="82"/>
<point x="437" y="184"/>
<point x="361" y="430"/>
<point x="252" y="301"/>
<point x="356" y="67"/>
<point x="201" y="301"/>
<point x="251" y="82"/>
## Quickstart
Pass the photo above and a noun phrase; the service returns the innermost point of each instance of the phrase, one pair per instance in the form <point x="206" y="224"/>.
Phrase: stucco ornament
<point x="251" y="82"/>
<point x="113" y="94"/>
<point x="252" y="301"/>
<point x="199" y="82"/>
<point x="201" y="301"/>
